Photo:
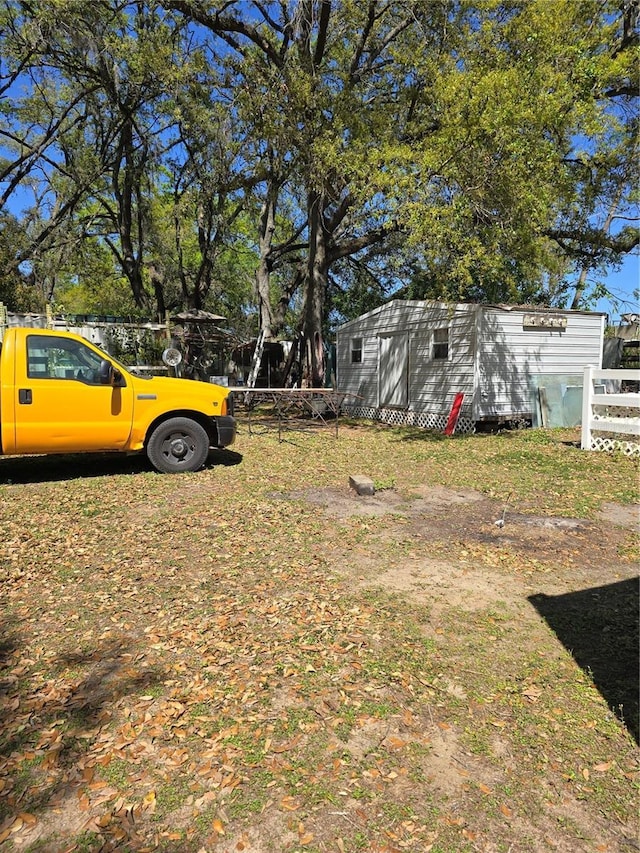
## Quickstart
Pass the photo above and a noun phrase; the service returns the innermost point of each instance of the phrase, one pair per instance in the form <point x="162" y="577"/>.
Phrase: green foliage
<point x="355" y="290"/>
<point x="466" y="151"/>
<point x="16" y="291"/>
<point x="91" y="283"/>
<point x="134" y="346"/>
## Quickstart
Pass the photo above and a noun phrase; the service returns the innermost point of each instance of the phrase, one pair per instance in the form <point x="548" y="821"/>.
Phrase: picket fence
<point x="611" y="417"/>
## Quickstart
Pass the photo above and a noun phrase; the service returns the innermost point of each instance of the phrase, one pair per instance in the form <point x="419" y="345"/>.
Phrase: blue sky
<point x="622" y="284"/>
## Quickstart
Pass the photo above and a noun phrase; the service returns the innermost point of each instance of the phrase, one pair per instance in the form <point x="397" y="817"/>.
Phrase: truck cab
<point x="59" y="393"/>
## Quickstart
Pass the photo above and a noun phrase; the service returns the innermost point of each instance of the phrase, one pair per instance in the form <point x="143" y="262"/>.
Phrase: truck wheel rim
<point x="178" y="448"/>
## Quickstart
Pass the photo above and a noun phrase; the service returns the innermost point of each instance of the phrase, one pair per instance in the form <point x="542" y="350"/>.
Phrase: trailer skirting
<point x="401" y="417"/>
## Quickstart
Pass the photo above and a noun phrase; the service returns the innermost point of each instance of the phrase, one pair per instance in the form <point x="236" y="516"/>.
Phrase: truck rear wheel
<point x="179" y="444"/>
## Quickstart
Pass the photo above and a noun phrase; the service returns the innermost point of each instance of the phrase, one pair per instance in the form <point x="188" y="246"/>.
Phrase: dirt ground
<point x="577" y="584"/>
<point x="431" y="758"/>
<point x="439" y="514"/>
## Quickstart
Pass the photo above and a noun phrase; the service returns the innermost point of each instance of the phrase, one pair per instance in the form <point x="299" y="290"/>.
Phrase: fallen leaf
<point x="290" y="744"/>
<point x="149" y="801"/>
<point x="289" y="804"/>
<point x="532" y="693"/>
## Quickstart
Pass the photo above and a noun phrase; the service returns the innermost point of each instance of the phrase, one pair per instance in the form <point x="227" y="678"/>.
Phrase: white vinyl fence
<point x="611" y="414"/>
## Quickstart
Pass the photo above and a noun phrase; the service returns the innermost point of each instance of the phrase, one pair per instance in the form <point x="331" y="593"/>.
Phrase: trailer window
<point x="441" y="344"/>
<point x="356" y="350"/>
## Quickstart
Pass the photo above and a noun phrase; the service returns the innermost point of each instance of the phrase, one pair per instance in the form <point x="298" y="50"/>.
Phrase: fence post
<point x="587" y="399"/>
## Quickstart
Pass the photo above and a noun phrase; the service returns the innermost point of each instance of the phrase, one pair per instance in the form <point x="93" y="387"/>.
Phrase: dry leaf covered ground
<point x="253" y="658"/>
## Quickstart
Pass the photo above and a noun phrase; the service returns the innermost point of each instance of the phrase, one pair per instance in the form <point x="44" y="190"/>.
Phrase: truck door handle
<point x="24" y="396"/>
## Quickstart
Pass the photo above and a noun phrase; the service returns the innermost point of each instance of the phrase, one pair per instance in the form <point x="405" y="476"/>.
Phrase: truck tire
<point x="179" y="444"/>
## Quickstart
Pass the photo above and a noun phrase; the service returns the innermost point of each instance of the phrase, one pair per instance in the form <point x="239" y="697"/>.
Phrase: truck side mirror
<point x="108" y="374"/>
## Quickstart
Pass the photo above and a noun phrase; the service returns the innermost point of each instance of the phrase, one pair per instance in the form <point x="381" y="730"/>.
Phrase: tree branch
<point x="350" y="247"/>
<point x="223" y="25"/>
<point x="591" y="242"/>
<point x="323" y="27"/>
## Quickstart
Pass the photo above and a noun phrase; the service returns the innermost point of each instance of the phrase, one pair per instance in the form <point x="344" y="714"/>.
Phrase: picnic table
<point x="291" y="405"/>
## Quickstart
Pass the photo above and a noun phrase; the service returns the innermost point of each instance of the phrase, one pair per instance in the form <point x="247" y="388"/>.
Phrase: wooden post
<point x="587" y="400"/>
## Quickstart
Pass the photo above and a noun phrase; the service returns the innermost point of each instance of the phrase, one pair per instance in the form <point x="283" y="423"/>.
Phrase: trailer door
<point x="393" y="363"/>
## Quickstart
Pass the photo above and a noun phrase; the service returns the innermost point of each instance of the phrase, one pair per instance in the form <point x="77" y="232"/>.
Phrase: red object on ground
<point x="454" y="414"/>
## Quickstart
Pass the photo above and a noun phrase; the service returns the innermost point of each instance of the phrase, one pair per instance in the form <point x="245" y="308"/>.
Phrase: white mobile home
<point x="405" y="362"/>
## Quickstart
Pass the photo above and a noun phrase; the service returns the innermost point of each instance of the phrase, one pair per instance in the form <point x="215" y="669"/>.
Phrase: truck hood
<point x="168" y="383"/>
<point x="185" y="393"/>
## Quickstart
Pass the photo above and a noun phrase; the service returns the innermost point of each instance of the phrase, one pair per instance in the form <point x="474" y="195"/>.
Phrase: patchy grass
<point x="219" y="661"/>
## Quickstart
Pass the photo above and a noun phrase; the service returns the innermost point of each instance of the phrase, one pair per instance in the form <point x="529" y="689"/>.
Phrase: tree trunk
<point x="202" y="283"/>
<point x="289" y="289"/>
<point x="315" y="290"/>
<point x="263" y="273"/>
<point x="156" y="276"/>
<point x="124" y="193"/>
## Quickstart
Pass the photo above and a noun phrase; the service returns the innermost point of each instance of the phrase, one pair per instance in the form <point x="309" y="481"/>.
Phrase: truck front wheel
<point x="179" y="444"/>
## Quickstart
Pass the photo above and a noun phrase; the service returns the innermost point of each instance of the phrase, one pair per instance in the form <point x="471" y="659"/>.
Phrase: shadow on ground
<point x="43" y="469"/>
<point x="45" y="720"/>
<point x="599" y="626"/>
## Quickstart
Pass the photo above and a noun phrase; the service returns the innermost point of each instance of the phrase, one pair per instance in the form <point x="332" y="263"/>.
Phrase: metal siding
<point x="492" y="358"/>
<point x="432" y="384"/>
<point x="509" y="356"/>
<point x="362" y="379"/>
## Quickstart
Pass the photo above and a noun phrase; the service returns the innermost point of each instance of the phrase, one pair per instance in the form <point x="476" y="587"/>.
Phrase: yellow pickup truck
<point x="61" y="394"/>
